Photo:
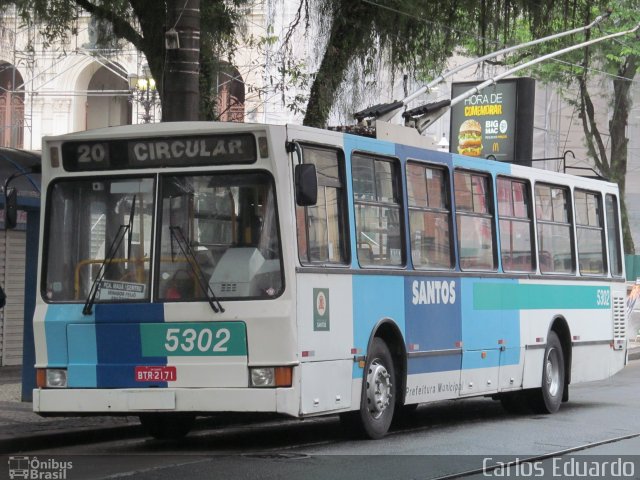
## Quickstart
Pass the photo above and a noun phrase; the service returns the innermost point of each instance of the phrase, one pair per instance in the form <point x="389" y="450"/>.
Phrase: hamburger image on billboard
<point x="470" y="138"/>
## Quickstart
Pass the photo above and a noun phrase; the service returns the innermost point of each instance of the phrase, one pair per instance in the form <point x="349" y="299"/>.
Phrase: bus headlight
<point x="263" y="377"/>
<point x="51" y="378"/>
<point x="271" y="376"/>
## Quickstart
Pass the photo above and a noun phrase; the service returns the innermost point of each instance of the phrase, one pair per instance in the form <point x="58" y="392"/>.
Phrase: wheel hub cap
<point x="553" y="372"/>
<point x="378" y="388"/>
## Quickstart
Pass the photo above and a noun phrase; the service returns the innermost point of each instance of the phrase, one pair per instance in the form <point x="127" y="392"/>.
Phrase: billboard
<point x="496" y="122"/>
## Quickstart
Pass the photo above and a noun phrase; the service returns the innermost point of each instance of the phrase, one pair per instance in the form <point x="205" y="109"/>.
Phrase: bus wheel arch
<point x="548" y="397"/>
<point x="390" y="333"/>
<point x="561" y="329"/>
<point x="383" y="383"/>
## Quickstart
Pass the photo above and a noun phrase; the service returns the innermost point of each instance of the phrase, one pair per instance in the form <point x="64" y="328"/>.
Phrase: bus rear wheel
<point x="548" y="397"/>
<point x="378" y="395"/>
<point x="167" y="426"/>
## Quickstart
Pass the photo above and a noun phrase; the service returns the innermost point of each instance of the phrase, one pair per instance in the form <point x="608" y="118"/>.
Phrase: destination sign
<point x="177" y="151"/>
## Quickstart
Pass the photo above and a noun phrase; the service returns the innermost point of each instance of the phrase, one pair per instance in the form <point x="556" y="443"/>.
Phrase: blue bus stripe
<point x="375" y="298"/>
<point x="83" y="356"/>
<point x="55" y="326"/>
<point x="434" y="364"/>
<point x="129" y="312"/>
<point x="101" y="349"/>
<point x="119" y="343"/>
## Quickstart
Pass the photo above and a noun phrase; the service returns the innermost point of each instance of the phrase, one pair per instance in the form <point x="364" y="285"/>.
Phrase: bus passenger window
<point x="590" y="232"/>
<point x="555" y="252"/>
<point x="613" y="235"/>
<point x="429" y="216"/>
<point x="474" y="217"/>
<point x="514" y="213"/>
<point x="377" y="206"/>
<point x="322" y="227"/>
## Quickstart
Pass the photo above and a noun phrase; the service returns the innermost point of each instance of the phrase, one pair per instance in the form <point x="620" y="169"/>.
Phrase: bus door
<point x="481" y="342"/>
<point x="491" y="338"/>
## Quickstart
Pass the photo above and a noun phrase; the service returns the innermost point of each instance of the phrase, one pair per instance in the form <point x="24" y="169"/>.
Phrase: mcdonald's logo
<point x="495" y="148"/>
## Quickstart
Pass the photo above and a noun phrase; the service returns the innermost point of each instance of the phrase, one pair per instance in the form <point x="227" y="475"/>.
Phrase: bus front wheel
<point x="548" y="397"/>
<point x="378" y="395"/>
<point x="167" y="426"/>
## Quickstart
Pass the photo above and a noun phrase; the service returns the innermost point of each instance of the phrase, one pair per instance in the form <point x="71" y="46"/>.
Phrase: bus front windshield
<point x="217" y="234"/>
<point x="99" y="226"/>
<point x="226" y="224"/>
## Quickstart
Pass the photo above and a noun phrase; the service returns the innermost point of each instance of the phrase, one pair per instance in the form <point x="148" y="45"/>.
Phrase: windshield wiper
<point x="114" y="246"/>
<point x="95" y="286"/>
<point x="131" y="215"/>
<point x="187" y="251"/>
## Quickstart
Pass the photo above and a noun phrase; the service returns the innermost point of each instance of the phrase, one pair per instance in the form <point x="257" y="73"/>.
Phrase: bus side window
<point x="474" y="216"/>
<point x="590" y="232"/>
<point x="429" y="216"/>
<point x="555" y="237"/>
<point x="378" y="210"/>
<point x="322" y="228"/>
<point x="515" y="224"/>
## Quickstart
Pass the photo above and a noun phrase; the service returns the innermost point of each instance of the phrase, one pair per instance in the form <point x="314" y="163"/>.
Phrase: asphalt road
<point x="442" y="440"/>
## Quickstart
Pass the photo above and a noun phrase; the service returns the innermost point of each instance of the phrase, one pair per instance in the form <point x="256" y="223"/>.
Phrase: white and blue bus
<point x="193" y="268"/>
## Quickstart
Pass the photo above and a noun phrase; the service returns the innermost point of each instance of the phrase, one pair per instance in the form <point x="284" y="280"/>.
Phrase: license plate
<point x="156" y="374"/>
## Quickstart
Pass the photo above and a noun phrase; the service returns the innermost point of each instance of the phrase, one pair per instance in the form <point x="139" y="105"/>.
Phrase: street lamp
<point x="142" y="90"/>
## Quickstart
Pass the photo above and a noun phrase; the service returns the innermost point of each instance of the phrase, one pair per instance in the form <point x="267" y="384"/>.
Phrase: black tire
<point x="167" y="426"/>
<point x="548" y="397"/>
<point x="377" y="404"/>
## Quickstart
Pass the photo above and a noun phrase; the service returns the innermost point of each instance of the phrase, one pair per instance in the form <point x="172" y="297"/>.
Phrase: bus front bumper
<point x="70" y="402"/>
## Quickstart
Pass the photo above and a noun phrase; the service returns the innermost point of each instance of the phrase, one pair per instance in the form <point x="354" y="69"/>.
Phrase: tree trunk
<point x="619" y="140"/>
<point x="181" y="89"/>
<point x="344" y="41"/>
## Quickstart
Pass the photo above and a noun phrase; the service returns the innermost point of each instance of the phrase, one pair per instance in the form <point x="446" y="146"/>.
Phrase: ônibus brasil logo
<point x="33" y="468"/>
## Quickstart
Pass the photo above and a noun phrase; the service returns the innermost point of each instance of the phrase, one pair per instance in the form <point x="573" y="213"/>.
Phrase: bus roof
<point x="155" y="129"/>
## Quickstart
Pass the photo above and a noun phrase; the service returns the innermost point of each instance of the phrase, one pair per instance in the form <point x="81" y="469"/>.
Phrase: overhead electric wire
<point x="480" y="38"/>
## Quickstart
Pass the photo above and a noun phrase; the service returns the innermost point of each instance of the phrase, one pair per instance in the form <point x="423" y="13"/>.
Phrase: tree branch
<point x="121" y="27"/>
<point x="296" y="21"/>
<point x="591" y="130"/>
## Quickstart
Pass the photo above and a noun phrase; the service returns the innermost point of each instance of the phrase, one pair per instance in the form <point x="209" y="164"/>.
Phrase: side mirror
<point x="306" y="184"/>
<point x="10" y="208"/>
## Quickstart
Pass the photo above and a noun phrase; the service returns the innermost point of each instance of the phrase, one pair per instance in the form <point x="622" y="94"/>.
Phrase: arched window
<point x="11" y="106"/>
<point x="230" y="94"/>
<point x="107" y="98"/>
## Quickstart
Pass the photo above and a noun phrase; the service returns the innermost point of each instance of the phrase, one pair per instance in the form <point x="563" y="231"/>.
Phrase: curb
<point x="634" y="354"/>
<point x="98" y="434"/>
<point x="43" y="440"/>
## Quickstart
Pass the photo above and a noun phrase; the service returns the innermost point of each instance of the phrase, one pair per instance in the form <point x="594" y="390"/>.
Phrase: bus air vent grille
<point x="619" y="320"/>
<point x="228" y="287"/>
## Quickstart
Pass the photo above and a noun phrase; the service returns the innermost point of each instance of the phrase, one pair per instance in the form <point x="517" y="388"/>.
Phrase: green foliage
<point x="142" y="23"/>
<point x="414" y="37"/>
<point x="609" y="66"/>
<point x="417" y="36"/>
<point x="55" y="19"/>
<point x="219" y="24"/>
